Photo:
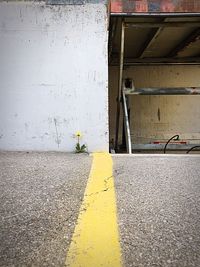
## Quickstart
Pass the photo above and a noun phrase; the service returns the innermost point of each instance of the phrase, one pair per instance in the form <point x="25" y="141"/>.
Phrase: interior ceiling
<point x="156" y="43"/>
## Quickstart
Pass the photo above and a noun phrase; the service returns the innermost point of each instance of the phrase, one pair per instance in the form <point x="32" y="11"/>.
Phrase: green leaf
<point x="78" y="148"/>
<point x="83" y="147"/>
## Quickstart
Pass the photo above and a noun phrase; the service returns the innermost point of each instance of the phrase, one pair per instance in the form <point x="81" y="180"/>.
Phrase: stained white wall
<point x="53" y="76"/>
<point x="159" y="117"/>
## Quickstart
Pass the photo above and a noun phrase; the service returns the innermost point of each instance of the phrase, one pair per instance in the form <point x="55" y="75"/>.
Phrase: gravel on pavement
<point x="158" y="201"/>
<point x="40" y="196"/>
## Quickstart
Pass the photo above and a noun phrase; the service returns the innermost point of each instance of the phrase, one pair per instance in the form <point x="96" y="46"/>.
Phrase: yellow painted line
<point x="95" y="241"/>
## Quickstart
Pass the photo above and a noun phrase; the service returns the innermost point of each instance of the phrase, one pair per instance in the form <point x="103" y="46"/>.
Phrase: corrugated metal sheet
<point x="155" y="6"/>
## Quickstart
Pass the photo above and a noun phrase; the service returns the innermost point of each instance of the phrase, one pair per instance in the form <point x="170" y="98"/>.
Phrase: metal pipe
<point x="192" y="149"/>
<point x="120" y="84"/>
<point x="126" y="124"/>
<point x="175" y="137"/>
<point x="164" y="91"/>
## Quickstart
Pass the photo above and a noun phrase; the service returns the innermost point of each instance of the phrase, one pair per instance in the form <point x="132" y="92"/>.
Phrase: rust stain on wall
<point x="158" y="113"/>
<point x="155" y="6"/>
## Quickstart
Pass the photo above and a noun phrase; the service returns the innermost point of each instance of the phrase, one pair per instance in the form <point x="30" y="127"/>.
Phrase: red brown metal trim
<point x="155" y="6"/>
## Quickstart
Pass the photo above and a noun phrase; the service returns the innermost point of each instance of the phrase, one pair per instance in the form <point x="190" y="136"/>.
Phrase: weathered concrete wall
<point x="160" y="117"/>
<point x="53" y="76"/>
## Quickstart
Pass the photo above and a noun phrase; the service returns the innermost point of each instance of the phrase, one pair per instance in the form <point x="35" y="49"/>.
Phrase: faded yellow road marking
<point x="95" y="241"/>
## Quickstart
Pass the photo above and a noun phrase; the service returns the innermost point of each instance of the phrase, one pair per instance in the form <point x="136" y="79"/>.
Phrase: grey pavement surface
<point x="40" y="197"/>
<point x="158" y="200"/>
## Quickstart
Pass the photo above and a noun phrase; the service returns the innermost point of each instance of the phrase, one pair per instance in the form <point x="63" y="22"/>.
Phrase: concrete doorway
<point x="161" y="62"/>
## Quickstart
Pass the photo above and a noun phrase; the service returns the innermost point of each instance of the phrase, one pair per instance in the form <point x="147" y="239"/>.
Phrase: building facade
<point x="53" y="75"/>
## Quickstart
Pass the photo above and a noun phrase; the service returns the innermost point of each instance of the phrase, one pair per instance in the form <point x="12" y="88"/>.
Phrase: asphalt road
<point x="158" y="203"/>
<point x="158" y="200"/>
<point x="40" y="197"/>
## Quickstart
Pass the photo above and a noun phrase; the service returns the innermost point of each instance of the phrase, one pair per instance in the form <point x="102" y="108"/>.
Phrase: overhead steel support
<point x="155" y="63"/>
<point x="150" y="40"/>
<point x="155" y="14"/>
<point x="194" y="36"/>
<point x="121" y="64"/>
<point x="172" y="24"/>
<point x="165" y="91"/>
<point x="164" y="60"/>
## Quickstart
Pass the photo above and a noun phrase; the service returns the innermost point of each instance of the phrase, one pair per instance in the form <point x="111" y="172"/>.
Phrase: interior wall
<point x="159" y="117"/>
<point x="53" y="76"/>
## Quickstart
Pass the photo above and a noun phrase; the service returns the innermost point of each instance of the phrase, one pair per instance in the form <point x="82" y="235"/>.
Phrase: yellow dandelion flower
<point x="78" y="134"/>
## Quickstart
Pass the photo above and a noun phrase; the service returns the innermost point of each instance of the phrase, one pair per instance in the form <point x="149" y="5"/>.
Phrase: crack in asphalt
<point x="86" y="205"/>
<point x="103" y="190"/>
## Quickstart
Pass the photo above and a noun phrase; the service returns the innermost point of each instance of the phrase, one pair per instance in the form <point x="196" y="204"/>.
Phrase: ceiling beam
<point x="193" y="37"/>
<point x="155" y="14"/>
<point x="163" y="59"/>
<point x="150" y="40"/>
<point x="173" y="24"/>
<point x="149" y="61"/>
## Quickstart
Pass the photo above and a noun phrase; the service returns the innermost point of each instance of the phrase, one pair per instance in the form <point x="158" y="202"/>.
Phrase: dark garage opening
<point x="154" y="84"/>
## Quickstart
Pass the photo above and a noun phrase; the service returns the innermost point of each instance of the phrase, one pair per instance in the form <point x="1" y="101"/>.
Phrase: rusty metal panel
<point x="155" y="6"/>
